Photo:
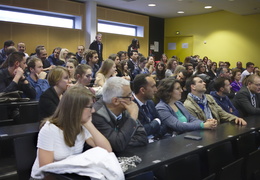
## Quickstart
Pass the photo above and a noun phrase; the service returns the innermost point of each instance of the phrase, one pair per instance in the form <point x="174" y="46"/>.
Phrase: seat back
<point x="29" y="113"/>
<point x="219" y="156"/>
<point x="25" y="149"/>
<point x="245" y="144"/>
<point x="233" y="170"/>
<point x="210" y="177"/>
<point x="177" y="170"/>
<point x="252" y="165"/>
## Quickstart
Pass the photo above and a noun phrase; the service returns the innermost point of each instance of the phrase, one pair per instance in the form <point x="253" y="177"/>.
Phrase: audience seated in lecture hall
<point x="116" y="116"/>
<point x="65" y="132"/>
<point x="144" y="88"/>
<point x="173" y="114"/>
<point x="12" y="78"/>
<point x="203" y="106"/>
<point x="37" y="77"/>
<point x="58" y="79"/>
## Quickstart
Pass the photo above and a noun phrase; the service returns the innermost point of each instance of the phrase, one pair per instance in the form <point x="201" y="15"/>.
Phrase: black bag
<point x="14" y="96"/>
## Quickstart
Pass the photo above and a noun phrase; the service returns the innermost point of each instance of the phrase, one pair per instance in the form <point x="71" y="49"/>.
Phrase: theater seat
<point x="219" y="156"/>
<point x="25" y="154"/>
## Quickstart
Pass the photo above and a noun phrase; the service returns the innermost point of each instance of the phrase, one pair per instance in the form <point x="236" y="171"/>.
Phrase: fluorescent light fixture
<point x="208" y="7"/>
<point x="151" y="5"/>
<point x="180" y="12"/>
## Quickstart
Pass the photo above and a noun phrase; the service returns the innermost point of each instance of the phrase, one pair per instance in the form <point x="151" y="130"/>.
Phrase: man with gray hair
<point x="116" y="116"/>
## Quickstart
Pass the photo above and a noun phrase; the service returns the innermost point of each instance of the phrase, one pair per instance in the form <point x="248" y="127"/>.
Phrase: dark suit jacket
<point x="48" y="103"/>
<point x="94" y="46"/>
<point x="242" y="101"/>
<point x="151" y="127"/>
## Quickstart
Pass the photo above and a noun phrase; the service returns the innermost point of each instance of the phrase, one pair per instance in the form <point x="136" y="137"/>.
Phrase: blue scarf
<point x="203" y="103"/>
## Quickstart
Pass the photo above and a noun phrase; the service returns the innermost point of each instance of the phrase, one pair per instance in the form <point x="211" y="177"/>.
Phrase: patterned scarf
<point x="203" y="101"/>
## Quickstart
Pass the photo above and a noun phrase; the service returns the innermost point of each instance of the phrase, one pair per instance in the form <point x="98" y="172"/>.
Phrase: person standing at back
<point x="98" y="47"/>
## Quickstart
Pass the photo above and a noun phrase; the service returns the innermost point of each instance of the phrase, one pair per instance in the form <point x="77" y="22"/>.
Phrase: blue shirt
<point x="40" y="86"/>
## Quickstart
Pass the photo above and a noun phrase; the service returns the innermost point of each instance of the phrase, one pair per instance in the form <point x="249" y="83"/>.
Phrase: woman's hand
<point x="210" y="124"/>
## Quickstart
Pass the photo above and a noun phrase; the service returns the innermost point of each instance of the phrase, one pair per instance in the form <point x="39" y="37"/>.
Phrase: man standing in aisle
<point x="98" y="46"/>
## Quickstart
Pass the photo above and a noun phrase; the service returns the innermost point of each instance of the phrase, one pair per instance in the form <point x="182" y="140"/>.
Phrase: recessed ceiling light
<point x="231" y="0"/>
<point x="151" y="5"/>
<point x="180" y="12"/>
<point x="208" y="7"/>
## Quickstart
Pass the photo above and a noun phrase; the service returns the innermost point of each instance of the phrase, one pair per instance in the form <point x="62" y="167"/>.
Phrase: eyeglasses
<point x="90" y="106"/>
<point x="126" y="97"/>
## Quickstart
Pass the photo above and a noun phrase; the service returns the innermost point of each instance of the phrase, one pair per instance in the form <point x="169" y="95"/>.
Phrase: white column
<point x="91" y="22"/>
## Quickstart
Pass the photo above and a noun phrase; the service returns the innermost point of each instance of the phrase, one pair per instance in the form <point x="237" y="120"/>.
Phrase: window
<point x="30" y="16"/>
<point x="120" y="28"/>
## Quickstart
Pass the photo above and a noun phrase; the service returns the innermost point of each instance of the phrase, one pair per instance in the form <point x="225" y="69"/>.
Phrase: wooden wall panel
<point x="50" y="37"/>
<point x="31" y="35"/>
<point x="6" y="32"/>
<point x="114" y="43"/>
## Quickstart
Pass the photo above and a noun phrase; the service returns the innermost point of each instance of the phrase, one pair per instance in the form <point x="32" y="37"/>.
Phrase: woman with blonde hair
<point x="63" y="54"/>
<point x="107" y="70"/>
<point x="65" y="132"/>
<point x="58" y="79"/>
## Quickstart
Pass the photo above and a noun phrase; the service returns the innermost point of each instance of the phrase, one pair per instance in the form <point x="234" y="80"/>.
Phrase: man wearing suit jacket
<point x="98" y="46"/>
<point x="144" y="88"/>
<point x="247" y="99"/>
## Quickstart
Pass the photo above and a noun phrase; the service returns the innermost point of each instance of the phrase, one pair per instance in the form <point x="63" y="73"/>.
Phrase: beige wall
<point x="50" y="37"/>
<point x="113" y="42"/>
<point x="229" y="37"/>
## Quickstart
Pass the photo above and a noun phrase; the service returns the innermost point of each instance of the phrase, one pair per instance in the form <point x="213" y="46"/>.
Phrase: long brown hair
<point x="69" y="112"/>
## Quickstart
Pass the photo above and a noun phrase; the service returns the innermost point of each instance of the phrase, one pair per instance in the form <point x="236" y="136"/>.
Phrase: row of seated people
<point x="128" y="117"/>
<point x="127" y="112"/>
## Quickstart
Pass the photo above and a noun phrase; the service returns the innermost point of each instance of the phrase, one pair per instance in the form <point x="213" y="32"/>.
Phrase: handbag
<point x="14" y="96"/>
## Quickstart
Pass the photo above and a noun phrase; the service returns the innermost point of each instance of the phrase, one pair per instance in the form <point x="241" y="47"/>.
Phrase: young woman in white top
<point x="65" y="133"/>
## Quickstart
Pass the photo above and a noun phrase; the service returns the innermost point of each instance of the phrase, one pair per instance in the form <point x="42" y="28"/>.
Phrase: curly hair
<point x="165" y="89"/>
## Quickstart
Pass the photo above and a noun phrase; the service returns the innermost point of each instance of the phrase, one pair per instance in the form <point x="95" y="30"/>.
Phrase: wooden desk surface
<point x="164" y="151"/>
